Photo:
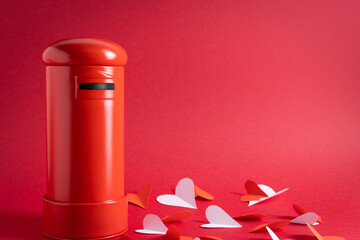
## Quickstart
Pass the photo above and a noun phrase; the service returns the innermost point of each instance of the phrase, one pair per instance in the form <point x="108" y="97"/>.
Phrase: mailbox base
<point x="85" y="220"/>
<point x="100" y="238"/>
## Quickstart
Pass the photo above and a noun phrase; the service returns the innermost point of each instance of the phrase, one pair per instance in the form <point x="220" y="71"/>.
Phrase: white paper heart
<point x="184" y="195"/>
<point x="272" y="234"/>
<point x="152" y="224"/>
<point x="218" y="218"/>
<point x="268" y="191"/>
<point x="308" y="217"/>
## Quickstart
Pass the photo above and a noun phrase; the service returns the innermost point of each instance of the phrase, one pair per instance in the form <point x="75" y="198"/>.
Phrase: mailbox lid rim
<point x="84" y="51"/>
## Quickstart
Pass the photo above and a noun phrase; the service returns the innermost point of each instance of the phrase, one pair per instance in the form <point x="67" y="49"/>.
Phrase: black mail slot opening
<point x="96" y="86"/>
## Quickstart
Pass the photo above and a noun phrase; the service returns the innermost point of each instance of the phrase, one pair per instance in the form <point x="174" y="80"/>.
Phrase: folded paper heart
<point x="176" y="217"/>
<point x="218" y="218"/>
<point x="273" y="226"/>
<point x="272" y="234"/>
<point x="250" y="217"/>
<point x="173" y="233"/>
<point x="152" y="224"/>
<point x="258" y="192"/>
<point x="185" y="193"/>
<point x="308" y="217"/>
<point x="199" y="193"/>
<point x="319" y="237"/>
<point x="300" y="211"/>
<point x="142" y="197"/>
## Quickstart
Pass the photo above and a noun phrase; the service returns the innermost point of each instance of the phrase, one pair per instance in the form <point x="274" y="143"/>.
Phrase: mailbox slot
<point x="86" y="88"/>
<point x="96" y="86"/>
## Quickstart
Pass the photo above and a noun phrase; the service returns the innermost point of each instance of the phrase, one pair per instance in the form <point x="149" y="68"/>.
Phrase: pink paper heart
<point x="308" y="217"/>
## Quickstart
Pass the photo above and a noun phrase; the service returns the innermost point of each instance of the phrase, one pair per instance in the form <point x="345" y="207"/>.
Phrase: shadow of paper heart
<point x="248" y="220"/>
<point x="198" y="220"/>
<point x="21" y="226"/>
<point x="302" y="237"/>
<point x="285" y="217"/>
<point x="237" y="193"/>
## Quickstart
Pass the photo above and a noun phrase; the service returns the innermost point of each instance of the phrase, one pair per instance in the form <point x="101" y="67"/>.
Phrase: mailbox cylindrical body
<point x="85" y="139"/>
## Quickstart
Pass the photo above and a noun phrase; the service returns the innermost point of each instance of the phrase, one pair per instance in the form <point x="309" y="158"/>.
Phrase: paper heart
<point x="258" y="192"/>
<point x="272" y="234"/>
<point x="184" y="195"/>
<point x="152" y="224"/>
<point x="176" y="217"/>
<point x="273" y="225"/>
<point x="253" y="189"/>
<point x="218" y="218"/>
<point x="173" y="233"/>
<point x="319" y="237"/>
<point x="300" y="211"/>
<point x="308" y="217"/>
<point x="199" y="193"/>
<point x="142" y="197"/>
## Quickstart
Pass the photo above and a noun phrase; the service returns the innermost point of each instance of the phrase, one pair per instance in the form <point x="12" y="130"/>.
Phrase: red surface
<point x="219" y="91"/>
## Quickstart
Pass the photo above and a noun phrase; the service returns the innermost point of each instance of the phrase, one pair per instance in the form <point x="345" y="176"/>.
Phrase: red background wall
<point x="219" y="91"/>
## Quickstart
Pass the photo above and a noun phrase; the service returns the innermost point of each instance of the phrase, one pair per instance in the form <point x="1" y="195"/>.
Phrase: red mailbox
<point x="85" y="139"/>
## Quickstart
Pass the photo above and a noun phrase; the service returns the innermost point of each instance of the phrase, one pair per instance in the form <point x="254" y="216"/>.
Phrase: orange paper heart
<point x="176" y="217"/>
<point x="273" y="226"/>
<point x="250" y="217"/>
<point x="199" y="193"/>
<point x="142" y="197"/>
<point x="319" y="237"/>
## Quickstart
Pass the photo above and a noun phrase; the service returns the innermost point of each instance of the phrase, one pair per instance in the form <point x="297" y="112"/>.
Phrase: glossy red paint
<point x="85" y="139"/>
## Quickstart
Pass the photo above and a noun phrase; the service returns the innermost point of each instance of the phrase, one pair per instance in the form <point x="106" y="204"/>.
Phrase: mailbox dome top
<point x="84" y="51"/>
